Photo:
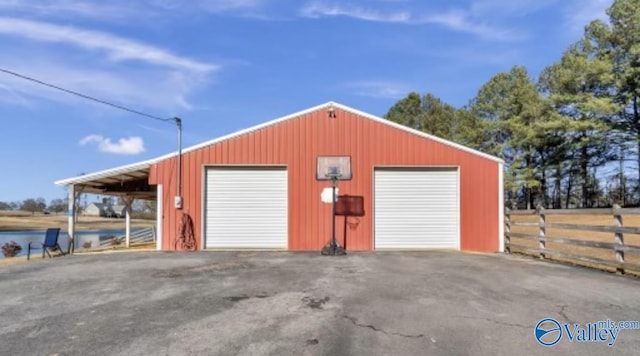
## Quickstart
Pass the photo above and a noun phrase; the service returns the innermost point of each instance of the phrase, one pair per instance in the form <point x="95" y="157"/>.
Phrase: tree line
<point x="56" y="206"/>
<point x="567" y="137"/>
<point x="35" y="204"/>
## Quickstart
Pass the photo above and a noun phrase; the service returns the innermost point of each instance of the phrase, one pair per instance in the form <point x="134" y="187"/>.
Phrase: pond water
<point x="23" y="238"/>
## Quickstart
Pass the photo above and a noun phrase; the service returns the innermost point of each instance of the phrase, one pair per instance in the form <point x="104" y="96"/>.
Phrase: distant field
<point x="15" y="213"/>
<point x="605" y="220"/>
<point x="21" y="220"/>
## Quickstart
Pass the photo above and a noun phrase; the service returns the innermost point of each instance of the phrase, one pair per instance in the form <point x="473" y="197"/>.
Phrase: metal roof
<point x="343" y="107"/>
<point x="130" y="180"/>
<point x="100" y="182"/>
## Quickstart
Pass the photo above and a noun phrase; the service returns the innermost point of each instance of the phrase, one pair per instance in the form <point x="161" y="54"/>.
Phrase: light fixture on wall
<point x="331" y="111"/>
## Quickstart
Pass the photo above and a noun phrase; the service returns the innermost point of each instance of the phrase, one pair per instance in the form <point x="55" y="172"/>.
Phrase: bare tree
<point x="29" y="205"/>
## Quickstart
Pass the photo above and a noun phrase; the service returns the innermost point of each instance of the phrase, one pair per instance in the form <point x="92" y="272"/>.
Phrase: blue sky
<point x="230" y="64"/>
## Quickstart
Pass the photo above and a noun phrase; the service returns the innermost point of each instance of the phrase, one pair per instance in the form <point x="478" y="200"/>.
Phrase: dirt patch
<point x="121" y="248"/>
<point x="38" y="256"/>
<point x="14" y="260"/>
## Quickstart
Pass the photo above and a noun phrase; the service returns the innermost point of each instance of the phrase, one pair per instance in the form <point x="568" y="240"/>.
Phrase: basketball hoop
<point x="334" y="169"/>
<point x="353" y="224"/>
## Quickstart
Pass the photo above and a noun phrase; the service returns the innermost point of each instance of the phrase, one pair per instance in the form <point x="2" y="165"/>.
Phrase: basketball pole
<point x="334" y="169"/>
<point x="334" y="181"/>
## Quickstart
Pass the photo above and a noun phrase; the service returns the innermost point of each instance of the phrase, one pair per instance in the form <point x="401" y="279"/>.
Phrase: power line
<point x="84" y="96"/>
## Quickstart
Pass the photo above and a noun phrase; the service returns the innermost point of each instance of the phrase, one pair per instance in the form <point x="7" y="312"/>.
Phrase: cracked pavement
<point x="276" y="303"/>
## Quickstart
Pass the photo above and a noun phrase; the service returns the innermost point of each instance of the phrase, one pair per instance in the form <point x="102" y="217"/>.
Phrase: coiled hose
<point x="186" y="238"/>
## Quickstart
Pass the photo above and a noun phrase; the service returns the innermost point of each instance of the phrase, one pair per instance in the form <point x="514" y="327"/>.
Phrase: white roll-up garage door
<point x="246" y="207"/>
<point x="416" y="208"/>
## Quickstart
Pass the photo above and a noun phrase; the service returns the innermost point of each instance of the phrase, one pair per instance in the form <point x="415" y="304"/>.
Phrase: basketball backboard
<point x="333" y="167"/>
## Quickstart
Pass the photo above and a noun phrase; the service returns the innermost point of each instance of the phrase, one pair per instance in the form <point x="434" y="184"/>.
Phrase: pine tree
<point x="431" y="115"/>
<point x="579" y="87"/>
<point x="619" y="42"/>
<point x="513" y="111"/>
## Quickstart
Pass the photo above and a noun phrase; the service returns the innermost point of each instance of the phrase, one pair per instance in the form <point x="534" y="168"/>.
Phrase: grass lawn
<point x="21" y="221"/>
<point x="106" y="249"/>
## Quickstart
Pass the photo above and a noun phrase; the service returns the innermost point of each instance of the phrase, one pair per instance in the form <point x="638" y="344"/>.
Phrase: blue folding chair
<point x="50" y="241"/>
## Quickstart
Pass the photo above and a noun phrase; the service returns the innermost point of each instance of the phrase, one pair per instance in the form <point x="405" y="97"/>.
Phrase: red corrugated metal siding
<point x="296" y="143"/>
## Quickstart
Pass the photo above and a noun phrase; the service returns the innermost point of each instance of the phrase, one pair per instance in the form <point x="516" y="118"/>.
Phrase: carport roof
<point x="129" y="180"/>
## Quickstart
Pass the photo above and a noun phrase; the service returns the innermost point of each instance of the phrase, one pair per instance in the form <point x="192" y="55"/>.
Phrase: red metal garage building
<point x="257" y="189"/>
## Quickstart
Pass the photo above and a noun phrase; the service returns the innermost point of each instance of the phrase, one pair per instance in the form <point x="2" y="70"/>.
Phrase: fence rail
<point x="617" y="245"/>
<point x="598" y="211"/>
<point x="138" y="237"/>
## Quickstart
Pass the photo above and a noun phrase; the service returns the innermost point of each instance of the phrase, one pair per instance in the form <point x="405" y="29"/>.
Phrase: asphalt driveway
<point x="255" y="303"/>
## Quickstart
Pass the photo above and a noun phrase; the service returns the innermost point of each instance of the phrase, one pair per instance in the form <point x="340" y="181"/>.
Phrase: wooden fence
<point x="617" y="245"/>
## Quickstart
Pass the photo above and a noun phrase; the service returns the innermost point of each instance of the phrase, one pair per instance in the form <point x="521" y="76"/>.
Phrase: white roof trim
<point x="419" y="133"/>
<point x="148" y="163"/>
<point x="343" y="107"/>
<point x="248" y="130"/>
<point x="107" y="173"/>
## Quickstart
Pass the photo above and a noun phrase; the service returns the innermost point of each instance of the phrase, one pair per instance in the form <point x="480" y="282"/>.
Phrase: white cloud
<point x="318" y="10"/>
<point x="125" y="146"/>
<point x="117" y="48"/>
<point x="163" y="84"/>
<point x="75" y="8"/>
<point x="209" y="5"/>
<point x="154" y="90"/>
<point x="12" y="96"/>
<point x="461" y="21"/>
<point x="580" y="13"/>
<point x="380" y="89"/>
<point x="456" y="20"/>
<point x="124" y="8"/>
<point x="508" y="8"/>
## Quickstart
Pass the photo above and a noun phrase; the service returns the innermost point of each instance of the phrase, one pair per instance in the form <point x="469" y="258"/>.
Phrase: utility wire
<point x="84" y="96"/>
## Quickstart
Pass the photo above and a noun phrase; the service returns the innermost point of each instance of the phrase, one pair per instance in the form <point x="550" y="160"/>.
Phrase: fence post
<point x="618" y="239"/>
<point x="543" y="229"/>
<point x="507" y="230"/>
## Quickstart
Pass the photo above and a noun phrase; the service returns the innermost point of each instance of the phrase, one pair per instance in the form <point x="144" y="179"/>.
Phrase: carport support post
<point x="618" y="239"/>
<point x="71" y="216"/>
<point x="127" y="203"/>
<point x="543" y="229"/>
<point x="159" y="215"/>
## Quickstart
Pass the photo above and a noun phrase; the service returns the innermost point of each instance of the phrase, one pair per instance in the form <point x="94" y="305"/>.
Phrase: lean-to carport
<point x="129" y="182"/>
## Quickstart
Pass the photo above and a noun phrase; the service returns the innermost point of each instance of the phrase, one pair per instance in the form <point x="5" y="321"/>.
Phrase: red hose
<point x="186" y="237"/>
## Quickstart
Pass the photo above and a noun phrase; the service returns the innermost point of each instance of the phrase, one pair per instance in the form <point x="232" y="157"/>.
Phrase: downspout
<point x="178" y="198"/>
